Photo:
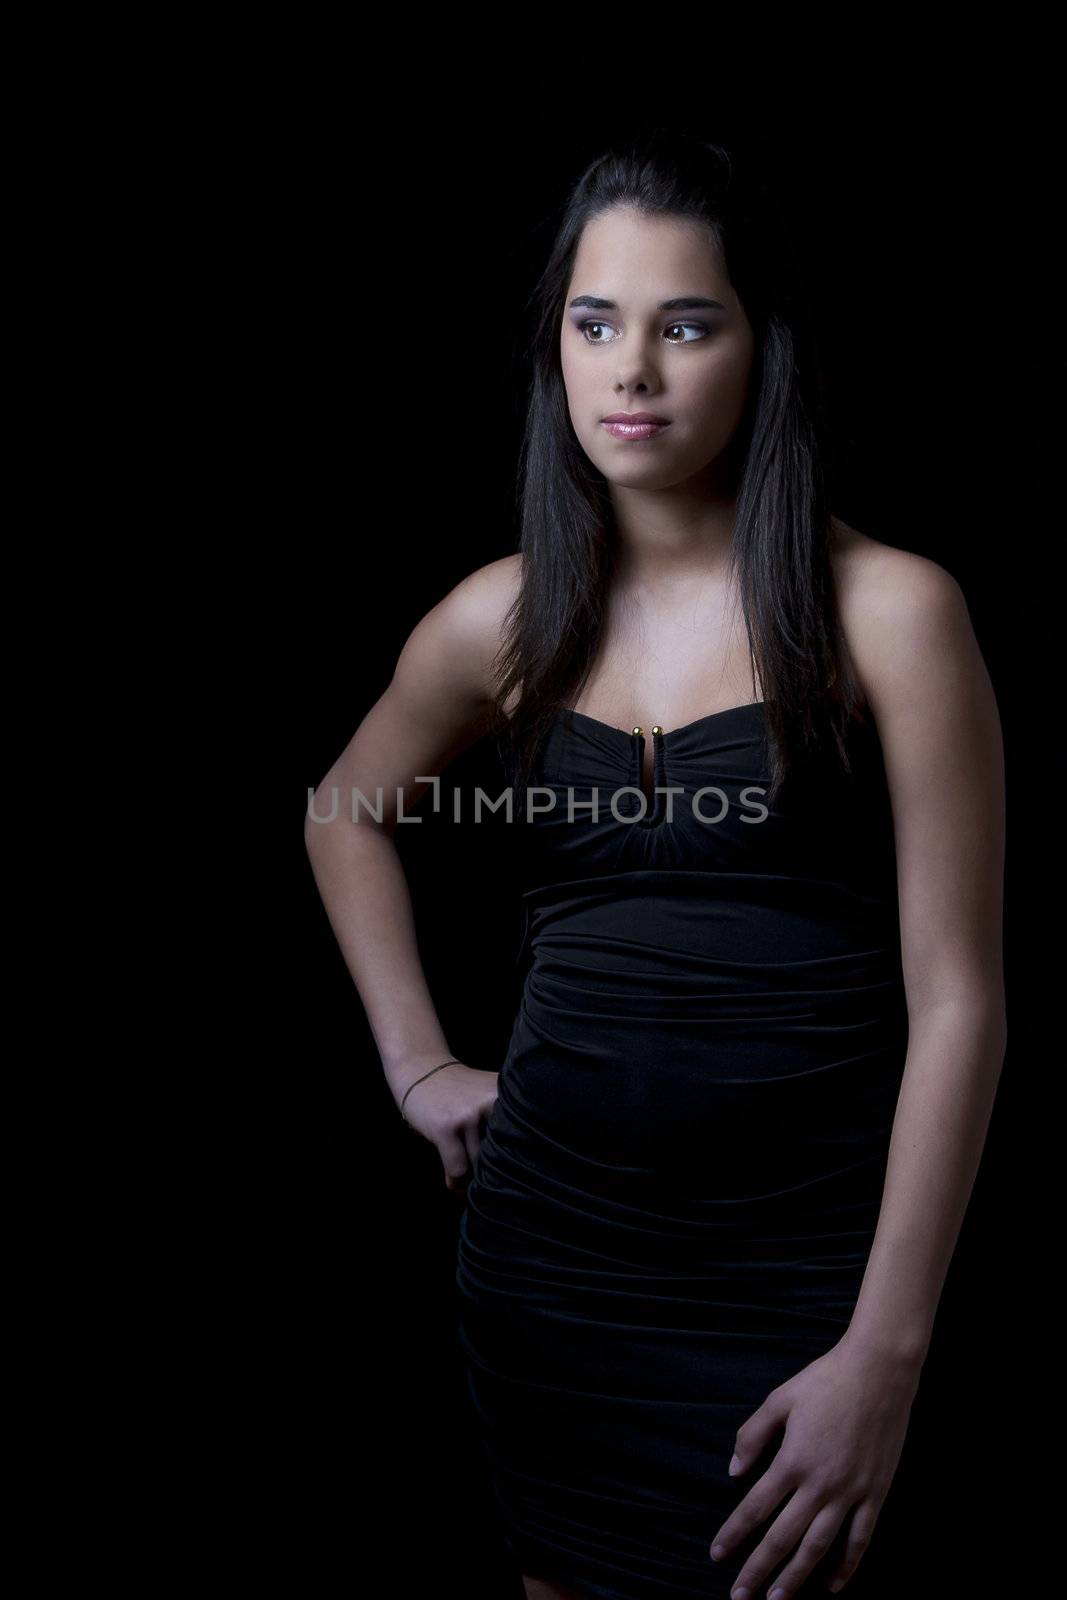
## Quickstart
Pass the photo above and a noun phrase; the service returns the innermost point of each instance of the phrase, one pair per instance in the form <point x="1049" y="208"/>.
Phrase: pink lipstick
<point x="634" y="424"/>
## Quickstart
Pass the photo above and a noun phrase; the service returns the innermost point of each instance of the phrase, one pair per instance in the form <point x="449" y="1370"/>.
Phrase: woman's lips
<point x="634" y="428"/>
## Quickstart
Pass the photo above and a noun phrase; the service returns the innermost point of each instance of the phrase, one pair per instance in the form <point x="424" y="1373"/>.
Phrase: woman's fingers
<point x="801" y="1536"/>
<point x="777" y="1545"/>
<point x="864" y="1517"/>
<point x="756" y="1432"/>
<point x="460" y="1148"/>
<point x="761" y="1501"/>
<point x="472" y="1138"/>
<point x="816" y="1541"/>
<point x="455" y="1157"/>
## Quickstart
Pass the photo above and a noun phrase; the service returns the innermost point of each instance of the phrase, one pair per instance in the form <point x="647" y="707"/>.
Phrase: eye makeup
<point x="584" y="323"/>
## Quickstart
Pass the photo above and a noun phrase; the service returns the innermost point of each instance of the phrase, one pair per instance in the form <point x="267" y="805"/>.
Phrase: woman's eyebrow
<point x="685" y="302"/>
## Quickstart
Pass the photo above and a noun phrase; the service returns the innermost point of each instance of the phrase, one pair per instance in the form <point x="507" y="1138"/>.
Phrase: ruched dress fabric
<point x="679" y="1181"/>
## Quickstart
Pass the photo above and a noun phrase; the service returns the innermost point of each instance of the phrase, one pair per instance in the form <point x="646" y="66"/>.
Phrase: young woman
<point x="715" y="1187"/>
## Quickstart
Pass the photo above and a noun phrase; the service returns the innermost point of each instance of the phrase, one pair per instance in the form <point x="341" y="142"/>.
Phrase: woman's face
<point x="624" y="350"/>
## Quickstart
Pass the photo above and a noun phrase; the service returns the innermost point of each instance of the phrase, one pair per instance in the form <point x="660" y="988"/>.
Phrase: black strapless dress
<point x="679" y="1182"/>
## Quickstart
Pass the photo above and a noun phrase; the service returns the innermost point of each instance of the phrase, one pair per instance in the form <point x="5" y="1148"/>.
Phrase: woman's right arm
<point x="436" y="705"/>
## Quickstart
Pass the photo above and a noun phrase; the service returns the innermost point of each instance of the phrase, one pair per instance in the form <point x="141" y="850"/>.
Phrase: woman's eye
<point x="584" y="330"/>
<point x="697" y="328"/>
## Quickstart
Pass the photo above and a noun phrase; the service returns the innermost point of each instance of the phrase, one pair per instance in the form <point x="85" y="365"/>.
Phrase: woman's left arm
<point x="846" y="1414"/>
<point x="917" y="655"/>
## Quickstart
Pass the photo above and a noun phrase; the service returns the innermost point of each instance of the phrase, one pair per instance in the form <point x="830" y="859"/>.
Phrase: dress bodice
<point x="711" y="812"/>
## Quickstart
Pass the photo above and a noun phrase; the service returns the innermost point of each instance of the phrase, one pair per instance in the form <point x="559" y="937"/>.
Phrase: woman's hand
<point x="846" y="1416"/>
<point x="449" y="1109"/>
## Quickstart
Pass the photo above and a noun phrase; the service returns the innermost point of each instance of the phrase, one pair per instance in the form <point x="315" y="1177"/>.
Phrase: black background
<point x="391" y="272"/>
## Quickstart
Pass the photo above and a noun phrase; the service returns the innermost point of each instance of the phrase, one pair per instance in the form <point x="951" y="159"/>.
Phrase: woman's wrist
<point x="403" y="1073"/>
<point x="451" y="1062"/>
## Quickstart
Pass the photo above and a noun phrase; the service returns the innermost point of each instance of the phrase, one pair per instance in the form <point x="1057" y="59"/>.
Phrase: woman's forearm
<point x="954" y="1060"/>
<point x="368" y="901"/>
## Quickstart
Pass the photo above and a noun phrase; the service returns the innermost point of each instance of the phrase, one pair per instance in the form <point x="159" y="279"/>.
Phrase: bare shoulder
<point x="470" y="619"/>
<point x="439" y="698"/>
<point x="904" y="617"/>
<point x="480" y="602"/>
<point x="446" y="668"/>
<point x="872" y="576"/>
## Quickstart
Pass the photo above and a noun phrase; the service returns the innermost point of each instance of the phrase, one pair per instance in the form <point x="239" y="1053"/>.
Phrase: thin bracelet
<point x="452" y="1061"/>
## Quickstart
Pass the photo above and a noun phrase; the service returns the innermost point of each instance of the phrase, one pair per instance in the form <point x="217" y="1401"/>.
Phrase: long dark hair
<point x="783" y="535"/>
